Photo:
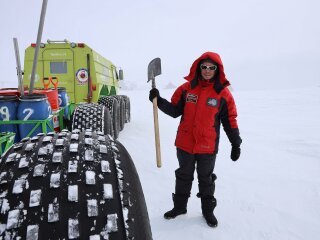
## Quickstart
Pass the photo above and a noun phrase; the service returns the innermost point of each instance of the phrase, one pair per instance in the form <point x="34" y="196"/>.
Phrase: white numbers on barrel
<point x="49" y="107"/>
<point x="60" y="99"/>
<point x="4" y="111"/>
<point x="29" y="112"/>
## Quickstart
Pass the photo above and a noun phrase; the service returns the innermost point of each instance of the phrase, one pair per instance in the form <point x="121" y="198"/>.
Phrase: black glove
<point x="153" y="93"/>
<point x="235" y="153"/>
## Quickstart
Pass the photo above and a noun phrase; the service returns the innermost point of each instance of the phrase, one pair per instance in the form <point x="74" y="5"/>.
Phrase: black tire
<point x="66" y="185"/>
<point x="92" y="116"/>
<point x="113" y="106"/>
<point x="122" y="105"/>
<point x="127" y="108"/>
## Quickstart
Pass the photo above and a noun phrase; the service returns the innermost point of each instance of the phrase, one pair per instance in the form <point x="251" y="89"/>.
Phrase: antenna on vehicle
<point x="36" y="53"/>
<point x="19" y="71"/>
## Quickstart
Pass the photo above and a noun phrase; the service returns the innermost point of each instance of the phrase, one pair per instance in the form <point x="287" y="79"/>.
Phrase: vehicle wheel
<point x="71" y="186"/>
<point x="122" y="110"/>
<point x="92" y="116"/>
<point x="113" y="106"/>
<point x="127" y="108"/>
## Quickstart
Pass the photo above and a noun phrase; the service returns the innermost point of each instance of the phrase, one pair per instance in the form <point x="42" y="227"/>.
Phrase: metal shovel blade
<point x="154" y="68"/>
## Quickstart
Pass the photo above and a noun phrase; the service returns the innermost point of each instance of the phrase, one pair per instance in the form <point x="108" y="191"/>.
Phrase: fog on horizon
<point x="263" y="44"/>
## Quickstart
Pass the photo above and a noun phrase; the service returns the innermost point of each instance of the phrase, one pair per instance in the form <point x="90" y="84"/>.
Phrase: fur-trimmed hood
<point x="223" y="82"/>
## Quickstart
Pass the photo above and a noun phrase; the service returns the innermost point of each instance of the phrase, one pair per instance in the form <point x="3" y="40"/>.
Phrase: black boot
<point x="180" y="206"/>
<point x="207" y="205"/>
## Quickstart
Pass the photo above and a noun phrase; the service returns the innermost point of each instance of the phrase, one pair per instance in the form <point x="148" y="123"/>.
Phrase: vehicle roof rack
<point x="58" y="41"/>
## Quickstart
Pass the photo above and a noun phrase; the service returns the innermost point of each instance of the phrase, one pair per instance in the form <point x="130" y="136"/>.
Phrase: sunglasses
<point x="205" y="67"/>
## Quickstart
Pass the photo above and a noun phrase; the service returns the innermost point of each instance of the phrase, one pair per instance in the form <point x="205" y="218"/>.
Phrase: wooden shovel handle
<point x="156" y="131"/>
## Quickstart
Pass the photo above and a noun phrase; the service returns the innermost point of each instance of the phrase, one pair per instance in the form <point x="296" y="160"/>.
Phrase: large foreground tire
<point x="92" y="116"/>
<point x="79" y="185"/>
<point x="112" y="104"/>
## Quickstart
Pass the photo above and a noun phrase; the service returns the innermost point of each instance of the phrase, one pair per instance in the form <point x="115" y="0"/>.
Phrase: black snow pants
<point x="204" y="163"/>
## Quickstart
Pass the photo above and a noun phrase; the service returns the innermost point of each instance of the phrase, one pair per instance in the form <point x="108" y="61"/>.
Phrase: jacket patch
<point x="192" y="98"/>
<point x="212" y="102"/>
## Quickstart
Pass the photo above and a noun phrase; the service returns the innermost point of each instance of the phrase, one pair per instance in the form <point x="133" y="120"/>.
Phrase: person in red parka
<point x="203" y="102"/>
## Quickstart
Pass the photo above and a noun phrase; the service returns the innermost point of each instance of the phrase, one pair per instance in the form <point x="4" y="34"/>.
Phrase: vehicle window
<point x="58" y="67"/>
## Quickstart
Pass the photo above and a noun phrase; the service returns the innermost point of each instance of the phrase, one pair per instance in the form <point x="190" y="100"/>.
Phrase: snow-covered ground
<point x="271" y="193"/>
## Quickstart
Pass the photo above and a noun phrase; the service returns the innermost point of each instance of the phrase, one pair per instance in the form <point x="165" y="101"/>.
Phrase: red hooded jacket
<point x="203" y="107"/>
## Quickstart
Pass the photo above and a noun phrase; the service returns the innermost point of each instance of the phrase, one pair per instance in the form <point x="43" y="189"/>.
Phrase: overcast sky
<point x="263" y="43"/>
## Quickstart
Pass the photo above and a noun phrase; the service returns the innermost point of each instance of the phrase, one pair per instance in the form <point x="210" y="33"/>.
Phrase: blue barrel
<point x="8" y="111"/>
<point x="63" y="99"/>
<point x="33" y="107"/>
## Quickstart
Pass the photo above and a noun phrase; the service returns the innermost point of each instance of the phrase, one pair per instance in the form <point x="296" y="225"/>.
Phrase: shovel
<point x="154" y="69"/>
